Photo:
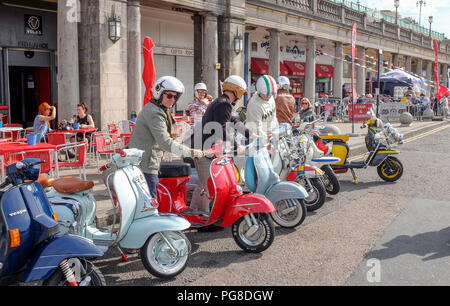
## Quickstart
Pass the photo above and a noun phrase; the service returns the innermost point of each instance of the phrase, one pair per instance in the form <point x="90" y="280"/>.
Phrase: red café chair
<point x="80" y="162"/>
<point x="103" y="144"/>
<point x="44" y="155"/>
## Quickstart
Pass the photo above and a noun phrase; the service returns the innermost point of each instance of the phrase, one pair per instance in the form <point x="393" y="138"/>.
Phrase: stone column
<point x="419" y="67"/>
<point x="445" y="74"/>
<point x="232" y="62"/>
<point x="134" y="48"/>
<point x="429" y="75"/>
<point x="210" y="56"/>
<point x="360" y="71"/>
<point x="408" y="63"/>
<point x="68" y="71"/>
<point x="274" y="56"/>
<point x="395" y="60"/>
<point x="310" y="77"/>
<point x="103" y="63"/>
<point x="338" y="70"/>
<point x="198" y="47"/>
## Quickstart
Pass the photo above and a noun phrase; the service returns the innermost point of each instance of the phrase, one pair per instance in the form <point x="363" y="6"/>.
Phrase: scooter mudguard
<point x="244" y="205"/>
<point x="47" y="260"/>
<point x="141" y="229"/>
<point x="381" y="155"/>
<point x="286" y="191"/>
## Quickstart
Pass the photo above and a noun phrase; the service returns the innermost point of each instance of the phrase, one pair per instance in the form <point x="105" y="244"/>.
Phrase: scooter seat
<point x="174" y="169"/>
<point x="69" y="185"/>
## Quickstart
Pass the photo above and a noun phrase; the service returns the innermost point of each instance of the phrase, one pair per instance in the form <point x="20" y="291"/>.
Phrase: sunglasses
<point x="171" y="96"/>
<point x="303" y="103"/>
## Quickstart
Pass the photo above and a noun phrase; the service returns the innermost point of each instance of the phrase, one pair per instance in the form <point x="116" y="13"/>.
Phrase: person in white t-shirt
<point x="261" y="108"/>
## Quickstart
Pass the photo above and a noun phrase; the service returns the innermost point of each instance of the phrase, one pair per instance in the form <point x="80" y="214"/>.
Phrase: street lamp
<point x="419" y="4"/>
<point x="396" y="4"/>
<point x="430" y="20"/>
<point x="238" y="43"/>
<point x="114" y="27"/>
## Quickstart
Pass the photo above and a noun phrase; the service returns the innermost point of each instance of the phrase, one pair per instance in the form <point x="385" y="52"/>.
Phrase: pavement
<point x="356" y="144"/>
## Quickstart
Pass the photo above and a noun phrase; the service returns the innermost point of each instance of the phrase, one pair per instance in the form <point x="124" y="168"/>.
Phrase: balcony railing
<point x="377" y="15"/>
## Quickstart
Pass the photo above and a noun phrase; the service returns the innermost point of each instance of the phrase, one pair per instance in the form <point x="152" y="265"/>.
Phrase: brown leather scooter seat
<point x="68" y="185"/>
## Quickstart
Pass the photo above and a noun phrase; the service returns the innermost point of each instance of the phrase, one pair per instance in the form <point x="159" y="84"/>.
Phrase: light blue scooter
<point x="137" y="224"/>
<point x="259" y="177"/>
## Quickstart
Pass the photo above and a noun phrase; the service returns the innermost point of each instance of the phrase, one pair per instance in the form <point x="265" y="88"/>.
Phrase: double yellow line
<point x="408" y="139"/>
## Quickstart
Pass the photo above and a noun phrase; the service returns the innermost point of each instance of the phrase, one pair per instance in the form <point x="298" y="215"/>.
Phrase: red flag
<point x="436" y="68"/>
<point x="442" y="91"/>
<point x="353" y="63"/>
<point x="148" y="75"/>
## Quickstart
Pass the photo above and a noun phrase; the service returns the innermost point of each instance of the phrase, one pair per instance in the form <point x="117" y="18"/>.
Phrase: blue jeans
<point x="152" y="182"/>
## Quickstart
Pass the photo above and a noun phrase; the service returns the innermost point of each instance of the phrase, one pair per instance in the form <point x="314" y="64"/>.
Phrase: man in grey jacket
<point x="155" y="131"/>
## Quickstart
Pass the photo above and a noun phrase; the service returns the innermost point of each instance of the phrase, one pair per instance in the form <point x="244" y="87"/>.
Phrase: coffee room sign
<point x="33" y="25"/>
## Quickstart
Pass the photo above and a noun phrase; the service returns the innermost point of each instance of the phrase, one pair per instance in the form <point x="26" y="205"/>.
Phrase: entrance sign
<point x="33" y="25"/>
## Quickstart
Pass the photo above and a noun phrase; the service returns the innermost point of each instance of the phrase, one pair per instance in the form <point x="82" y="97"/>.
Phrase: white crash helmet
<point x="267" y="86"/>
<point x="200" y="86"/>
<point x="236" y="85"/>
<point x="284" y="82"/>
<point x="167" y="83"/>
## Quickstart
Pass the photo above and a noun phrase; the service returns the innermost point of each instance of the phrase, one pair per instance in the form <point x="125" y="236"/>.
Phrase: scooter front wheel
<point x="163" y="260"/>
<point x="289" y="213"/>
<point x="254" y="240"/>
<point x="316" y="193"/>
<point x="86" y="269"/>
<point x="391" y="169"/>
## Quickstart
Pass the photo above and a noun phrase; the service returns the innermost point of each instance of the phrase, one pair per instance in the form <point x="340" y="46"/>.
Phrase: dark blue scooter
<point x="30" y="251"/>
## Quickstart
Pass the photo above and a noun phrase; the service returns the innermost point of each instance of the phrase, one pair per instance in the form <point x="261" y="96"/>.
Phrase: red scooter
<point x="249" y="214"/>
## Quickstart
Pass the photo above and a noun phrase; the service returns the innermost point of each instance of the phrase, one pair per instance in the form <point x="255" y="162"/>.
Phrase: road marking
<point x="407" y="140"/>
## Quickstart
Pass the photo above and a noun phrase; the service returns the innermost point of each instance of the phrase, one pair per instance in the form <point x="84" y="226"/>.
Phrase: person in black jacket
<point x="212" y="130"/>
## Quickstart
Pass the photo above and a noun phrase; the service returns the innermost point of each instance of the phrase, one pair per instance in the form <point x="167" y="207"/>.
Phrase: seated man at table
<point x="41" y="125"/>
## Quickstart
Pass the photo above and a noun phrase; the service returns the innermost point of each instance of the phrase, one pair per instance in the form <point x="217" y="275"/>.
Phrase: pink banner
<point x="436" y="69"/>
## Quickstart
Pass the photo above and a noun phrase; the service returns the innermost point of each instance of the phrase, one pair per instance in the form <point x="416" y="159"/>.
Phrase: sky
<point x="439" y="9"/>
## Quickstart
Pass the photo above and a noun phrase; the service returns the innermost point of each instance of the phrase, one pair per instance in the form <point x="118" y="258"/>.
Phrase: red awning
<point x="259" y="66"/>
<point x="295" y="68"/>
<point x="324" y="71"/>
<point x="283" y="69"/>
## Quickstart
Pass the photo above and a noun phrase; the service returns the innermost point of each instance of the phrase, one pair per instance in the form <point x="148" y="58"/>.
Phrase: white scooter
<point x="308" y="136"/>
<point x="137" y="224"/>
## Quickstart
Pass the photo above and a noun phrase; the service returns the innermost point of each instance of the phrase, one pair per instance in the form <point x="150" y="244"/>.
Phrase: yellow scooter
<point x="389" y="167"/>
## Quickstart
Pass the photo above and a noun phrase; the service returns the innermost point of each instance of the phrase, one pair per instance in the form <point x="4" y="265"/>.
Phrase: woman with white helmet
<point x="155" y="132"/>
<point x="285" y="102"/>
<point x="261" y="109"/>
<point x="198" y="106"/>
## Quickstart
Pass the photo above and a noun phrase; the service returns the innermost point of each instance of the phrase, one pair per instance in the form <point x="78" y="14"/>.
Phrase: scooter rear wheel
<point x="88" y="269"/>
<point x="292" y="218"/>
<point x="258" y="241"/>
<point x="159" y="259"/>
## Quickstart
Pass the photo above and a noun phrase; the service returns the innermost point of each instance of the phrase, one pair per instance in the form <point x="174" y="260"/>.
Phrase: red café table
<point x="6" y="149"/>
<point x="72" y="131"/>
